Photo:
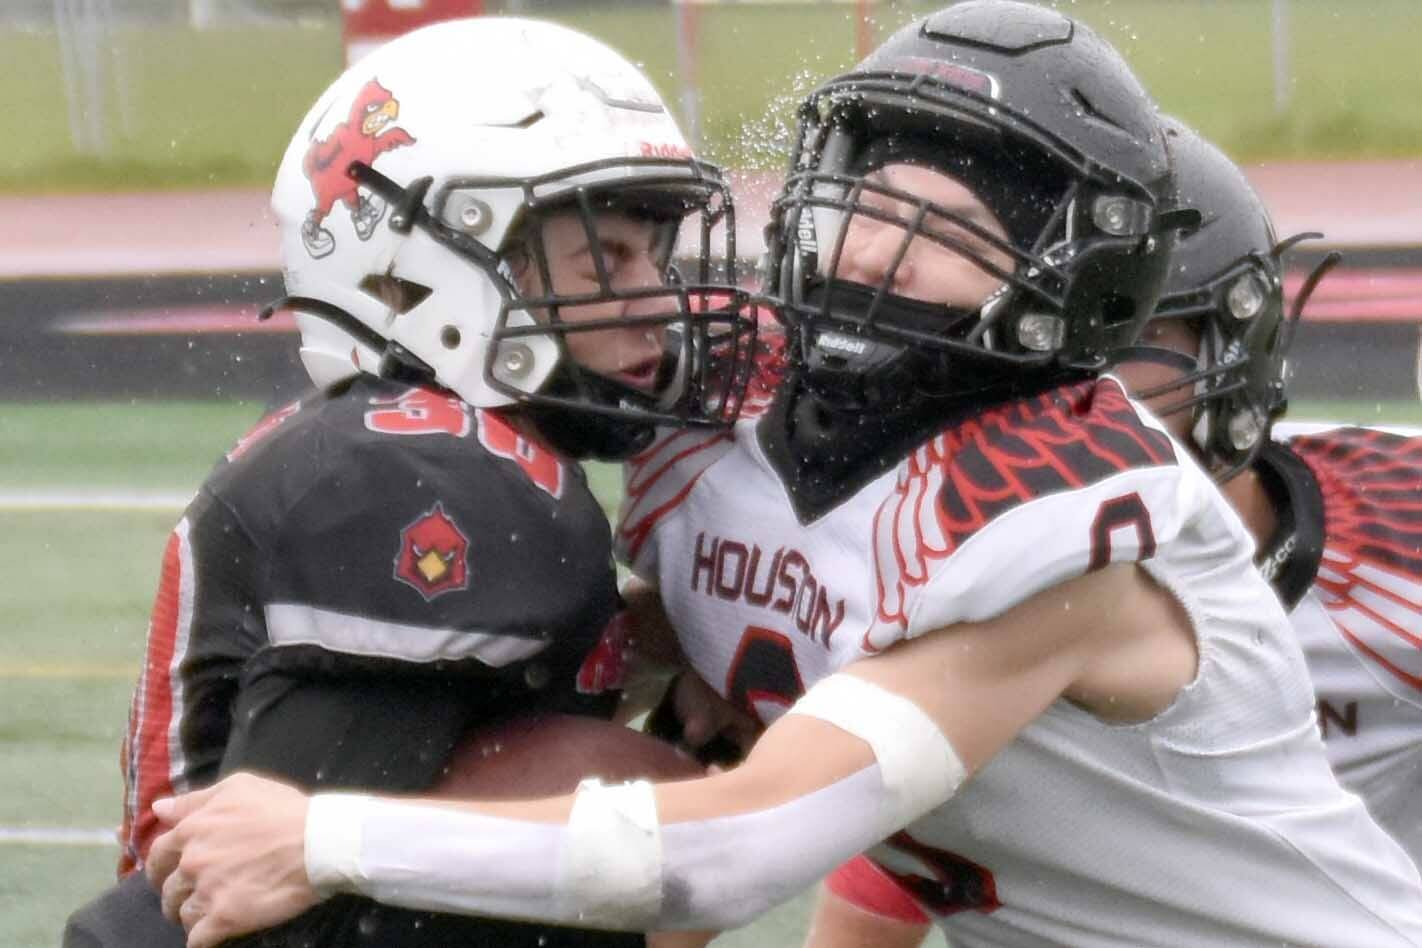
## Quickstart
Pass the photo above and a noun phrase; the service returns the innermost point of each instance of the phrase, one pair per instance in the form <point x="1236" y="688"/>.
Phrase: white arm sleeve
<point x="613" y="865"/>
<point x="718" y="873"/>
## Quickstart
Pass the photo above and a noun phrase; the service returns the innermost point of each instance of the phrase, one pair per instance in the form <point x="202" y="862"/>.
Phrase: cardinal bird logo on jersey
<point x="433" y="555"/>
<point x="367" y="132"/>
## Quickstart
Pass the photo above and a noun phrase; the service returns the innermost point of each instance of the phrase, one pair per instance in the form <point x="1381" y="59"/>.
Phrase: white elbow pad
<point x="723" y="873"/>
<point x="919" y="767"/>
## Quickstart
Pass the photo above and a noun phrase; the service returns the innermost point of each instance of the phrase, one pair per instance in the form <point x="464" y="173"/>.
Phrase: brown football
<point x="548" y="754"/>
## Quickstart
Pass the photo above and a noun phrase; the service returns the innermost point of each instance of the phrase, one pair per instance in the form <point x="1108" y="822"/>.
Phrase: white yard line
<point x="96" y="498"/>
<point x="57" y="836"/>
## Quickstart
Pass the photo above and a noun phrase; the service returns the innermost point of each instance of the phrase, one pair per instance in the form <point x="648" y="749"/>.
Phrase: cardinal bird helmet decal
<point x="366" y="133"/>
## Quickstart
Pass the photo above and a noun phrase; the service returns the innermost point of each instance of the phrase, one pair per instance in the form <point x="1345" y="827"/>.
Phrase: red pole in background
<point x="367" y="24"/>
<point x="688" y="65"/>
<point x="863" y="29"/>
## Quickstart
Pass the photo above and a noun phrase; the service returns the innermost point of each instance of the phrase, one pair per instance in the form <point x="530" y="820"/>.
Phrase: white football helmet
<point x="399" y="194"/>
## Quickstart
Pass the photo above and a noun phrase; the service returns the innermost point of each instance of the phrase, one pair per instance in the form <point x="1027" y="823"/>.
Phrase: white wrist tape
<point x="919" y="767"/>
<point x="603" y="869"/>
<point x="333" y="841"/>
<point x="611" y="867"/>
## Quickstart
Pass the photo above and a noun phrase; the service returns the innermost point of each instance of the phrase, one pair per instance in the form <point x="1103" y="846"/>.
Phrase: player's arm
<point x="202" y="631"/>
<point x="684" y="709"/>
<point x="893" y="737"/>
<point x="653" y="657"/>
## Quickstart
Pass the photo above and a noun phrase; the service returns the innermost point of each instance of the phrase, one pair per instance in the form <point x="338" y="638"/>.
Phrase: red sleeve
<point x="864" y="885"/>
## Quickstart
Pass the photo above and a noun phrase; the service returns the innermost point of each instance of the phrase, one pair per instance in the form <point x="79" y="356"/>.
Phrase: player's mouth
<point x="640" y="375"/>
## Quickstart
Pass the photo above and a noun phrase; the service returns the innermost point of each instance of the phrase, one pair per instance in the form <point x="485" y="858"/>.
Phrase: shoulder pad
<point x="1370" y="480"/>
<point x="1370" y="576"/>
<point x="1021" y="496"/>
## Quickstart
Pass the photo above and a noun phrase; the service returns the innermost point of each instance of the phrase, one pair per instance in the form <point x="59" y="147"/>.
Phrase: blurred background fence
<point x="193" y="96"/>
<point x="172" y="93"/>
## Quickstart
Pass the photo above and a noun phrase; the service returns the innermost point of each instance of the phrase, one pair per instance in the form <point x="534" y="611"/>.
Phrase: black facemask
<point x="851" y="406"/>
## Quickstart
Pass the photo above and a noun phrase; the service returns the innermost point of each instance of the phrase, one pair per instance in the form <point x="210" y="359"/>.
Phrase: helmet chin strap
<point x="587" y="434"/>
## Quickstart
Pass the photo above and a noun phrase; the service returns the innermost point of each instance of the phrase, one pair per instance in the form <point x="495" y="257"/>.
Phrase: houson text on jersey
<point x="781" y="582"/>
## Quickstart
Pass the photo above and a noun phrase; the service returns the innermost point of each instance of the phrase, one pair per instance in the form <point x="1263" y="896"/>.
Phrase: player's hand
<point x="234" y="859"/>
<point x="694" y="716"/>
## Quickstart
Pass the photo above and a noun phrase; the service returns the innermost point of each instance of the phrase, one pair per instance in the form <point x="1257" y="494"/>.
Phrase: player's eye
<point x="615" y="253"/>
<point x="881" y="203"/>
<point x="954" y="237"/>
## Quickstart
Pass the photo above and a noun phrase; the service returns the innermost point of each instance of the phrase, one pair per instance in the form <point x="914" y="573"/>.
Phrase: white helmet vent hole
<point x="400" y="295"/>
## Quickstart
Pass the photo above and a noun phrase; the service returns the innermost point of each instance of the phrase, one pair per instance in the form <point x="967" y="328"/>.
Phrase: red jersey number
<point x="763" y="673"/>
<point x="419" y="412"/>
<point x="1127" y="512"/>
<point x="542" y="466"/>
<point x="956" y="885"/>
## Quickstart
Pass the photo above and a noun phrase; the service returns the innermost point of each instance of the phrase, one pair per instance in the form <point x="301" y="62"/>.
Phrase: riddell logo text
<point x="731" y="570"/>
<point x="664" y="150"/>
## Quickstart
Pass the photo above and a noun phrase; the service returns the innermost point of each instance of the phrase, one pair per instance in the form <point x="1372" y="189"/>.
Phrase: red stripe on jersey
<point x="1390" y="627"/>
<point x="149" y="772"/>
<point x="1061" y="440"/>
<point x="659" y="477"/>
<point x="1340" y="589"/>
<point x="1412" y="681"/>
<point x="1371" y="483"/>
<point x="864" y="885"/>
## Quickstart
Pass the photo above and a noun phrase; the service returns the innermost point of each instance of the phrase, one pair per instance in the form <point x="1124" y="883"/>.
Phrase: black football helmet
<point x="1042" y="120"/>
<point x="1226" y="276"/>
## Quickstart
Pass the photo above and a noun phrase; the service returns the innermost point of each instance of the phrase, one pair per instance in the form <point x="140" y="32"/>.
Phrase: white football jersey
<point x="1216" y="822"/>
<point x="1360" y="622"/>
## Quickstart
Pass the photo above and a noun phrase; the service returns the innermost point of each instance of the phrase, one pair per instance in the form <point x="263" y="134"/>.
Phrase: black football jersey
<point x="364" y="575"/>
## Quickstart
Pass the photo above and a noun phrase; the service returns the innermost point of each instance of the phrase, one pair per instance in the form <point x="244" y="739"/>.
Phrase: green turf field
<point x="78" y="584"/>
<point x="217" y="107"/>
